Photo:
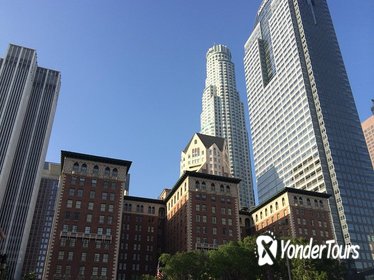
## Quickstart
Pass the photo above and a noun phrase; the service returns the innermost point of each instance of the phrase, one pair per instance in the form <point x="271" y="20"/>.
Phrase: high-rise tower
<point x="223" y="116"/>
<point x="305" y="128"/>
<point x="28" y="98"/>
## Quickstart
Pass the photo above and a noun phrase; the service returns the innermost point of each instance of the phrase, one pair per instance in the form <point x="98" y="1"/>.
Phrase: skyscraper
<point x="42" y="221"/>
<point x="304" y="124"/>
<point x="28" y="98"/>
<point x="223" y="116"/>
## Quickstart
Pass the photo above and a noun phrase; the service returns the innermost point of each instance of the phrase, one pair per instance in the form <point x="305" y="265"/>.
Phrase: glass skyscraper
<point x="28" y="99"/>
<point x="223" y="116"/>
<point x="305" y="127"/>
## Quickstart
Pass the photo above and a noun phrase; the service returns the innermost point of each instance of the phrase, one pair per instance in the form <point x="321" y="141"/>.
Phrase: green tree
<point x="29" y="276"/>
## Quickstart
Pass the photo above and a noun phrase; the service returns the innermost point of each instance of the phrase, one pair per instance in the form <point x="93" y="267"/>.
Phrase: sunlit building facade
<point x="305" y="128"/>
<point x="223" y="116"/>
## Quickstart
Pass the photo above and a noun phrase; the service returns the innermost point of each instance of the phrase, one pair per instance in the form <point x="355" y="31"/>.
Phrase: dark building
<point x="86" y="229"/>
<point x="42" y="221"/>
<point x="142" y="237"/>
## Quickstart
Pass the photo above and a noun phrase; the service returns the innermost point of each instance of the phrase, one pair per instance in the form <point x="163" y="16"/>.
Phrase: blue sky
<point x="133" y="72"/>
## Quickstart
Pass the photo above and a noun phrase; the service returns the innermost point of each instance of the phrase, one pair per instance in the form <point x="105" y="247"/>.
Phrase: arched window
<point x="222" y="188"/>
<point x="276" y="206"/>
<point x="261" y="215"/>
<point x="107" y="171"/>
<point x="130" y="207"/>
<point x="141" y="208"/>
<point x="197" y="185"/>
<point x="84" y="168"/>
<point x="300" y="200"/>
<point x="161" y="212"/>
<point x="266" y="212"/>
<point x="283" y="201"/>
<point x="212" y="187"/>
<point x="295" y="200"/>
<point x="256" y="218"/>
<point x="315" y="203"/>
<point x="308" y="202"/>
<point x="227" y="189"/>
<point x="271" y="209"/>
<point x="149" y="210"/>
<point x="76" y="167"/>
<point x="321" y="204"/>
<point x="95" y="170"/>
<point x="115" y="172"/>
<point x="203" y="186"/>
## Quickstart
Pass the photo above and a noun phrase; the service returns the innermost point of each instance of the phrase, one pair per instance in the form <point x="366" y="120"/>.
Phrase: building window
<point x="104" y="196"/>
<point x="105" y="258"/>
<point x="283" y="202"/>
<point x="90" y="206"/>
<point x="89" y="218"/>
<point x="76" y="167"/>
<point x="93" y="182"/>
<point x="92" y="194"/>
<point x="95" y="271"/>
<point x="81" y="181"/>
<point x="97" y="258"/>
<point x="87" y="230"/>
<point x="95" y="170"/>
<point x="71" y="192"/>
<point x="61" y="255"/>
<point x="69" y="203"/>
<point x="70" y="256"/>
<point x="78" y="204"/>
<point x="222" y="188"/>
<point x="83" y="256"/>
<point x="81" y="270"/>
<point x="102" y="207"/>
<point x="212" y="187"/>
<point x="104" y="271"/>
<point x="115" y="172"/>
<point x="107" y="171"/>
<point x="110" y="208"/>
<point x="84" y="168"/>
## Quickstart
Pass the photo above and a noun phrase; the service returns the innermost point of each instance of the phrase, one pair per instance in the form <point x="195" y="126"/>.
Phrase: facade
<point x="86" y="229"/>
<point x="223" y="116"/>
<point x="305" y="128"/>
<point x="142" y="237"/>
<point x="368" y="129"/>
<point x="37" y="245"/>
<point x="294" y="213"/>
<point x="202" y="212"/>
<point x="28" y="99"/>
<point x="206" y="154"/>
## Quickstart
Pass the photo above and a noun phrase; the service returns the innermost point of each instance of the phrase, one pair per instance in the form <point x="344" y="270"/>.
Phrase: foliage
<point x="238" y="260"/>
<point x="29" y="276"/>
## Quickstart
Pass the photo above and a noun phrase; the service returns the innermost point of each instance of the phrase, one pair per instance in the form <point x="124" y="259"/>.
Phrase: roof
<point x="67" y="154"/>
<point x="201" y="176"/>
<point x="290" y="190"/>
<point x="208" y="141"/>
<point x="143" y="199"/>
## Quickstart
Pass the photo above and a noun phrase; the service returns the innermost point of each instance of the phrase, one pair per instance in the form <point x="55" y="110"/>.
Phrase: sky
<point x="133" y="71"/>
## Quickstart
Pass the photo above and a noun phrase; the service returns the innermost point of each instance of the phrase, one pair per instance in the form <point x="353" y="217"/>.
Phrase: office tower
<point x="202" y="212"/>
<point x="206" y="154"/>
<point x="86" y="230"/>
<point x="223" y="116"/>
<point x="368" y="129"/>
<point x="28" y="98"/>
<point x="142" y="237"/>
<point x="304" y="124"/>
<point x="42" y="221"/>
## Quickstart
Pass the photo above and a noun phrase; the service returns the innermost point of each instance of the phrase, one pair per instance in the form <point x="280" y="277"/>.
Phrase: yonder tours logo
<point x="267" y="247"/>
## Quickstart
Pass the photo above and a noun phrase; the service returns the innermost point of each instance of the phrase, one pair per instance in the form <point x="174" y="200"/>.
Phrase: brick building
<point x="293" y="213"/>
<point x="142" y="237"/>
<point x="202" y="212"/>
<point x="86" y="228"/>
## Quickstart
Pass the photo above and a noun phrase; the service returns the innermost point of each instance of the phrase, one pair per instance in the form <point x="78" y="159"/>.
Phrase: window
<point x="100" y="231"/>
<point x="73" y="180"/>
<point x="101" y="219"/>
<point x="69" y="203"/>
<point x="71" y="192"/>
<point x="61" y="255"/>
<point x="76" y="167"/>
<point x="107" y="171"/>
<point x="222" y="188"/>
<point x="105" y="258"/>
<point x="104" y="196"/>
<point x="92" y="194"/>
<point x="212" y="187"/>
<point x="104" y="271"/>
<point x="81" y="181"/>
<point x="102" y="207"/>
<point x="110" y="209"/>
<point x="95" y="271"/>
<point x="283" y="201"/>
<point x="84" y="168"/>
<point x="115" y="172"/>
<point x="97" y="258"/>
<point x="81" y="270"/>
<point x="78" y="204"/>
<point x="83" y="256"/>
<point x="111" y="197"/>
<point x="93" y="182"/>
<point x="95" y="170"/>
<point x="90" y="206"/>
<point x="109" y="220"/>
<point x="70" y="256"/>
<point x="87" y="230"/>
<point x="227" y="189"/>
<point x="89" y="218"/>
<point x="80" y="193"/>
